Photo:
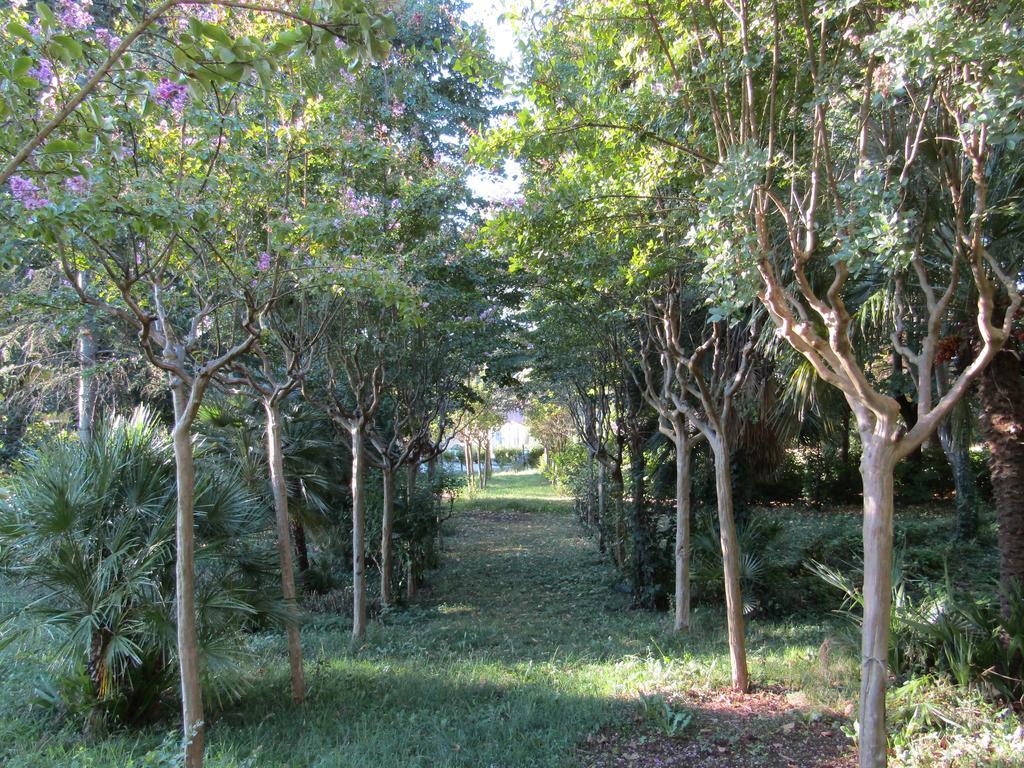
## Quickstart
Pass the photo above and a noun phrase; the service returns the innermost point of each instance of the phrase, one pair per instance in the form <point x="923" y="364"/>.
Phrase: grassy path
<point x="519" y="650"/>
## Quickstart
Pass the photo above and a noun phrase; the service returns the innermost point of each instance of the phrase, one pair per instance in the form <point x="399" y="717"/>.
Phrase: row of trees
<point x="273" y="203"/>
<point x="711" y="183"/>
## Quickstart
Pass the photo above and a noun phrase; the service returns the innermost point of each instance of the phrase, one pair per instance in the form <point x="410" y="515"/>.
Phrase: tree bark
<point x="684" y="454"/>
<point x="275" y="458"/>
<point x="643" y="567"/>
<point x="358" y="535"/>
<point x="387" y="523"/>
<point x="730" y="565"/>
<point x="954" y="438"/>
<point x="618" y="496"/>
<point x="184" y="573"/>
<point x="86" y="375"/>
<point x="487" y="459"/>
<point x="1002" y="411"/>
<point x="301" y="548"/>
<point x="876" y="467"/>
<point x="411" y="473"/>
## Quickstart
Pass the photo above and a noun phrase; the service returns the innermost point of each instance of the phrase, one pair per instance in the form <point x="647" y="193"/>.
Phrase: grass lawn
<point x="519" y="651"/>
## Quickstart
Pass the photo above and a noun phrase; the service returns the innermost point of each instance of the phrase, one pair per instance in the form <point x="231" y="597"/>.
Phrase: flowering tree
<point x="145" y="201"/>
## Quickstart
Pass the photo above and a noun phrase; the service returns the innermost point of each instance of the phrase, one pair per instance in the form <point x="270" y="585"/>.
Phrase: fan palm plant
<point x="88" y="531"/>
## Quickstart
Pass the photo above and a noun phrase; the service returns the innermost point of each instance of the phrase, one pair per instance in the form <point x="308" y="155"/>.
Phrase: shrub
<point x="944" y="631"/>
<point x="89" y="531"/>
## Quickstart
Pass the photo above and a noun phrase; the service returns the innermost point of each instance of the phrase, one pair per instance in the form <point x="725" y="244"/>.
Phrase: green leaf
<point x="61" y="145"/>
<point x="19" y="31"/>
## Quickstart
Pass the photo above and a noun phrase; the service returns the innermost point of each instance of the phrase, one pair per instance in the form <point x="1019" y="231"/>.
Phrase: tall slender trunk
<point x="618" y="498"/>
<point x="184" y="575"/>
<point x="411" y="473"/>
<point x="588" y="509"/>
<point x="86" y="375"/>
<point x="358" y="535"/>
<point x="301" y="548"/>
<point x="876" y="467"/>
<point x="387" y="523"/>
<point x="730" y="565"/>
<point x="467" y="453"/>
<point x="1002" y="410"/>
<point x="684" y="454"/>
<point x="601" y="503"/>
<point x="643" y="566"/>
<point x="954" y="437"/>
<point x="844" y="440"/>
<point x="432" y="468"/>
<point x="275" y="458"/>
<point x="487" y="458"/>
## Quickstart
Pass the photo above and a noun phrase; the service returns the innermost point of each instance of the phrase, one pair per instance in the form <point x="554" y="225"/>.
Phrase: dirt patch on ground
<point x="722" y="729"/>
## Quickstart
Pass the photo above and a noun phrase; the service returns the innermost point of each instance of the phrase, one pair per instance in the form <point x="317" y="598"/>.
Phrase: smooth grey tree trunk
<point x="877" y="467"/>
<point x="86" y="376"/>
<point x="730" y="565"/>
<point x="684" y="455"/>
<point x="411" y="475"/>
<point x="284" y="545"/>
<point x="387" y="524"/>
<point x="184" y="575"/>
<point x="358" y="535"/>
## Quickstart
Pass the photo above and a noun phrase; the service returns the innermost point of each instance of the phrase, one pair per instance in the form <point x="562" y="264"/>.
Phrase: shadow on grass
<point x="388" y="715"/>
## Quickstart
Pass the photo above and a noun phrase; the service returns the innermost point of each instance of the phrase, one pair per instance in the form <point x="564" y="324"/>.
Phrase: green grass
<point x="520" y="648"/>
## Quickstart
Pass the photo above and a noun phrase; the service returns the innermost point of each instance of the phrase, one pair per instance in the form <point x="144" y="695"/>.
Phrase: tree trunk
<point x="358" y="536"/>
<point x="184" y="574"/>
<point x="487" y="459"/>
<point x="1002" y="411"/>
<point x="411" y="472"/>
<point x="730" y="565"/>
<point x="954" y="437"/>
<point x="601" y="503"/>
<point x="844" y="441"/>
<point x="618" y="496"/>
<point x="284" y="546"/>
<point x="86" y="375"/>
<point x="301" y="548"/>
<point x="643" y="566"/>
<point x="432" y="468"/>
<point x="876" y="468"/>
<point x="387" y="523"/>
<point x="588" y="512"/>
<point x="684" y="454"/>
<point x="467" y="453"/>
<point x="410" y="579"/>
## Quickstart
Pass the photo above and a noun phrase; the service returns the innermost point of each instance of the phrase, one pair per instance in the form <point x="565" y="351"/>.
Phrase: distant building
<point x="513" y="433"/>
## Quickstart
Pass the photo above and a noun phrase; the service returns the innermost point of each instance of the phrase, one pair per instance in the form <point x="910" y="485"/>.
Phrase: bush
<point x="567" y="470"/>
<point x="89" y="531"/>
<point x="509" y="457"/>
<point x="533" y="457"/>
<point x="944" y="631"/>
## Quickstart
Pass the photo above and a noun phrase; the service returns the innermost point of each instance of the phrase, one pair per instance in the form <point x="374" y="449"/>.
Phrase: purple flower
<point x="173" y="95"/>
<point x="28" y="193"/>
<point x="105" y="37"/>
<point x="30" y="273"/>
<point x="77" y="185"/>
<point x="264" y="262"/>
<point x="74" y="15"/>
<point x="43" y="72"/>
<point x="208" y="13"/>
